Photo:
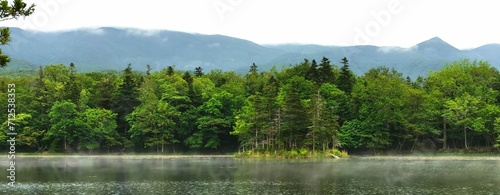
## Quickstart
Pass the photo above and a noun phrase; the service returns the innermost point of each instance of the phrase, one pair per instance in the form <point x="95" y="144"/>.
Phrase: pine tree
<point x="312" y="73"/>
<point x="253" y="68"/>
<point x="272" y="110"/>
<point x="252" y="81"/>
<point x="325" y="72"/>
<point x="346" y="80"/>
<point x="105" y="89"/>
<point x="71" y="88"/>
<point x="198" y="71"/>
<point x="148" y="70"/>
<point x="127" y="99"/>
<point x="170" y="70"/>
<point x="294" y="118"/>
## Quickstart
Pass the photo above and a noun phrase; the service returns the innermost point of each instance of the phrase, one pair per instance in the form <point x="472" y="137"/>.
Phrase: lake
<point x="202" y="175"/>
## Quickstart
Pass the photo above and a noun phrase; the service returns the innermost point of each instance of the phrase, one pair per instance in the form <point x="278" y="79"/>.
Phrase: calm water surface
<point x="100" y="175"/>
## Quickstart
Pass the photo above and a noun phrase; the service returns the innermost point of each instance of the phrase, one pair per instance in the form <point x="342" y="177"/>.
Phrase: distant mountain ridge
<point x="113" y="48"/>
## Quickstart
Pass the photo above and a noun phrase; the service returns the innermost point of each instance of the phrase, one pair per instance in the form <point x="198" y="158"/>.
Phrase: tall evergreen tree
<point x="346" y="79"/>
<point x="126" y="99"/>
<point x="105" y="90"/>
<point x="170" y="70"/>
<point x="312" y="73"/>
<point x="71" y="88"/>
<point x="252" y="81"/>
<point x="198" y="71"/>
<point x="148" y="70"/>
<point x="325" y="72"/>
<point x="253" y="68"/>
<point x="294" y="118"/>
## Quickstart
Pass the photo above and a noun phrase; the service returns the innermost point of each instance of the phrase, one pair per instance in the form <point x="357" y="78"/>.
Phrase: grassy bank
<point x="292" y="154"/>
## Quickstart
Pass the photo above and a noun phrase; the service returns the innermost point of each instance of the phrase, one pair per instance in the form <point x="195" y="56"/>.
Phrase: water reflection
<point x="249" y="176"/>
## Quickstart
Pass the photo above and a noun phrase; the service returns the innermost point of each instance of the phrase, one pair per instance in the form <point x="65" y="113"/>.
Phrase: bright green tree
<point x="101" y="130"/>
<point x="65" y="125"/>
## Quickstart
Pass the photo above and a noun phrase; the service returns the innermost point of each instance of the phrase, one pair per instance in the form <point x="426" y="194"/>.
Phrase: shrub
<point x="303" y="152"/>
<point x="341" y="154"/>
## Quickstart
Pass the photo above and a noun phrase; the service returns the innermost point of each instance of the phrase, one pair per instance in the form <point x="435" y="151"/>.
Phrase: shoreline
<point x="430" y="157"/>
<point x="200" y="156"/>
<point x="131" y="156"/>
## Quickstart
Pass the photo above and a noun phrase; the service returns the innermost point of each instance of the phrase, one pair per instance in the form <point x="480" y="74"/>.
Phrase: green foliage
<point x="326" y="72"/>
<point x="65" y="124"/>
<point x="286" y="113"/>
<point x="126" y="98"/>
<point x="15" y="10"/>
<point x="101" y="130"/>
<point x="346" y="79"/>
<point x="303" y="152"/>
<point x="341" y="154"/>
<point x="152" y="122"/>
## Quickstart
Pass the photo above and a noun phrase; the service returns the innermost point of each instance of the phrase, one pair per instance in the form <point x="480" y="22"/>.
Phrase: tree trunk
<point x="445" y="136"/>
<point x="256" y="140"/>
<point x="415" y="142"/>
<point x="65" y="147"/>
<point x="314" y="141"/>
<point x="465" y="137"/>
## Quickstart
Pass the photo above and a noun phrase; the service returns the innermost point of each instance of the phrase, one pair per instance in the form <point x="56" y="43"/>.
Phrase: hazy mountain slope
<point x="415" y="61"/>
<point x="110" y="48"/>
<point x="113" y="49"/>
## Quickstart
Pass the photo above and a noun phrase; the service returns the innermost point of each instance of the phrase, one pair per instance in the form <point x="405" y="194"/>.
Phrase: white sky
<point x="464" y="24"/>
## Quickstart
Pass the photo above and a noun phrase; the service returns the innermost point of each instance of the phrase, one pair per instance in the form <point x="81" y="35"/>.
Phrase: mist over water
<point x="70" y="175"/>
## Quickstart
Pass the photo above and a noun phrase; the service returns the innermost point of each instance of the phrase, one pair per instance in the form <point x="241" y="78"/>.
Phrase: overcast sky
<point x="464" y="24"/>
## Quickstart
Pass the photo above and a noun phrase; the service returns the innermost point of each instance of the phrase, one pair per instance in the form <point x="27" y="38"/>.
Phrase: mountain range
<point x="114" y="48"/>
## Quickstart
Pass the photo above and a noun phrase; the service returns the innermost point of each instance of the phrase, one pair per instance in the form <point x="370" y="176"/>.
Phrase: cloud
<point x="390" y="49"/>
<point x="95" y="31"/>
<point x="144" y="33"/>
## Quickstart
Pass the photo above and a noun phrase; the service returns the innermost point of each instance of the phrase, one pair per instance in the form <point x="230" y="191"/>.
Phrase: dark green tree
<point x="198" y="71"/>
<point x="325" y="72"/>
<point x="170" y="70"/>
<point x="72" y="89"/>
<point x="294" y="118"/>
<point x="312" y="73"/>
<point x="126" y="99"/>
<point x="148" y="70"/>
<point x="346" y="79"/>
<point x="105" y="90"/>
<point x="253" y="82"/>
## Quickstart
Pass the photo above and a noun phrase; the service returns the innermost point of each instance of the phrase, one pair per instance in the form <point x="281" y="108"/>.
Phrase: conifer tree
<point x="198" y="71"/>
<point x="325" y="72"/>
<point x="126" y="99"/>
<point x="346" y="79"/>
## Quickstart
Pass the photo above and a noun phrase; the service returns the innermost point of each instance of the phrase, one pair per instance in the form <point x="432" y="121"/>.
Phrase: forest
<point x="312" y="106"/>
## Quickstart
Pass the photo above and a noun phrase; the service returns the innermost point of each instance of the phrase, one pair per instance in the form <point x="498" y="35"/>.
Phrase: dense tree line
<point x="311" y="105"/>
